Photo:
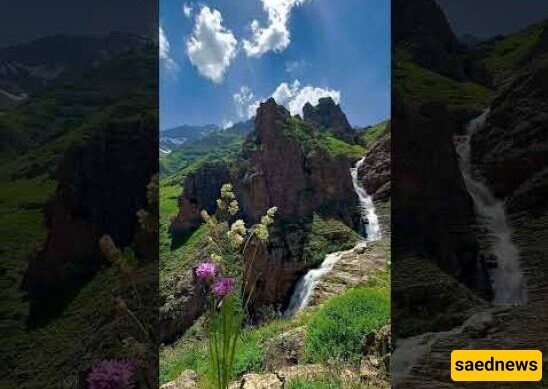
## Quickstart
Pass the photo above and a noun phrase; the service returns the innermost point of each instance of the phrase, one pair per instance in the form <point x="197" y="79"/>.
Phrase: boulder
<point x="187" y="380"/>
<point x="284" y="349"/>
<point x="261" y="381"/>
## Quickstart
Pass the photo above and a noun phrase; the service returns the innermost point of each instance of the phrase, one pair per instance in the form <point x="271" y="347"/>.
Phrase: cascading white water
<point x="305" y="287"/>
<point x="373" y="228"/>
<point x="507" y="278"/>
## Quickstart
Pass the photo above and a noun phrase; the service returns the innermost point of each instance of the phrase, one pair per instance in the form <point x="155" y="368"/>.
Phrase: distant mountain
<point x="172" y="138"/>
<point x="185" y="145"/>
<point x="28" y="68"/>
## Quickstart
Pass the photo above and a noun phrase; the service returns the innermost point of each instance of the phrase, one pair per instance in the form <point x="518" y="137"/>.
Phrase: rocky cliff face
<point x="375" y="173"/>
<point x="420" y="27"/>
<point x="433" y="214"/>
<point x="281" y="164"/>
<point x="201" y="190"/>
<point x="512" y="145"/>
<point x="101" y="186"/>
<point x="329" y="115"/>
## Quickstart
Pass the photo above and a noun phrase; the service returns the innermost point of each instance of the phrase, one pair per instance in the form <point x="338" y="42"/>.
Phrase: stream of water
<point x="369" y="222"/>
<point x="507" y="277"/>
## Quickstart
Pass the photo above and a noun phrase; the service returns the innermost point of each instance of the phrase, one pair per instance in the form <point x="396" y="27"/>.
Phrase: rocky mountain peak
<point x="329" y="115"/>
<point x="423" y="30"/>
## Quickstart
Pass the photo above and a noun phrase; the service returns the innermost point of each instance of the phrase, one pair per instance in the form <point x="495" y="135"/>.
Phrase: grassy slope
<point x="47" y="125"/>
<point x="218" y="145"/>
<point x="419" y="84"/>
<point x="507" y="54"/>
<point x="190" y="352"/>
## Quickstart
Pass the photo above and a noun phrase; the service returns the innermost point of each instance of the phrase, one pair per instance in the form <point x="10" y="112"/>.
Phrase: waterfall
<point x="306" y="285"/>
<point x="367" y="207"/>
<point x="507" y="277"/>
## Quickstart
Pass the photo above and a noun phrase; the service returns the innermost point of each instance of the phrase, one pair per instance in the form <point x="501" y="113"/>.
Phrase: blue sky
<point x="339" y="48"/>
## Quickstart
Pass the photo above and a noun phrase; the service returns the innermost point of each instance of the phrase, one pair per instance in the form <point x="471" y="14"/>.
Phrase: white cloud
<point x="187" y="9"/>
<point x="227" y="124"/>
<point x="211" y="46"/>
<point x="243" y="100"/>
<point x="275" y="36"/>
<point x="165" y="48"/>
<point x="292" y="96"/>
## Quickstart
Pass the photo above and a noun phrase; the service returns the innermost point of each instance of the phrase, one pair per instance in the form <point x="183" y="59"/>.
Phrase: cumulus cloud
<point x="187" y="9"/>
<point x="275" y="36"/>
<point x="211" y="46"/>
<point x="243" y="101"/>
<point x="292" y="96"/>
<point x="165" y="48"/>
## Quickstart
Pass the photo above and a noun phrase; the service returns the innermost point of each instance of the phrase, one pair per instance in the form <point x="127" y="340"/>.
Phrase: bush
<point x="337" y="329"/>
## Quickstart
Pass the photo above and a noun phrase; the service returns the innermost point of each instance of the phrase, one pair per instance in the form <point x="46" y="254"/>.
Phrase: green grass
<point x="336" y="330"/>
<point x="37" y="134"/>
<point x="339" y="148"/>
<point x="419" y="84"/>
<point x="216" y="146"/>
<point x="326" y="235"/>
<point x="507" y="54"/>
<point x="190" y="352"/>
<point x="371" y="136"/>
<point x="181" y="259"/>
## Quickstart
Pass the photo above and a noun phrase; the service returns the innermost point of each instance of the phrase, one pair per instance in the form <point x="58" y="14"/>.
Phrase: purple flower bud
<point x="206" y="270"/>
<point x="111" y="374"/>
<point x="223" y="286"/>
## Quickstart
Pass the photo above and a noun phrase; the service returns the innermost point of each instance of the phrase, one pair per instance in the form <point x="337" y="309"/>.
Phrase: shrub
<point x="336" y="330"/>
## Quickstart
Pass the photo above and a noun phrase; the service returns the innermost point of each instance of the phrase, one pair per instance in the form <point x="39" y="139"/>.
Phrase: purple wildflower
<point x="223" y="286"/>
<point x="206" y="270"/>
<point x="112" y="374"/>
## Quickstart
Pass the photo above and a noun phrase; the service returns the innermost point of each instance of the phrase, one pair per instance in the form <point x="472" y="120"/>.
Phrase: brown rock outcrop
<point x="277" y="167"/>
<point x="433" y="214"/>
<point x="101" y="186"/>
<point x="182" y="308"/>
<point x="422" y="29"/>
<point x="329" y="116"/>
<point x="512" y="145"/>
<point x="375" y="173"/>
<point x="201" y="190"/>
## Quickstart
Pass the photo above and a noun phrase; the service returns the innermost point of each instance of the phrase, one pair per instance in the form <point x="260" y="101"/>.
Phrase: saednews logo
<point x="496" y="365"/>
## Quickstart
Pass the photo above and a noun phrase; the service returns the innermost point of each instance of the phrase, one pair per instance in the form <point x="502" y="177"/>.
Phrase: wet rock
<point x="512" y="145"/>
<point x="354" y="268"/>
<point x="479" y="324"/>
